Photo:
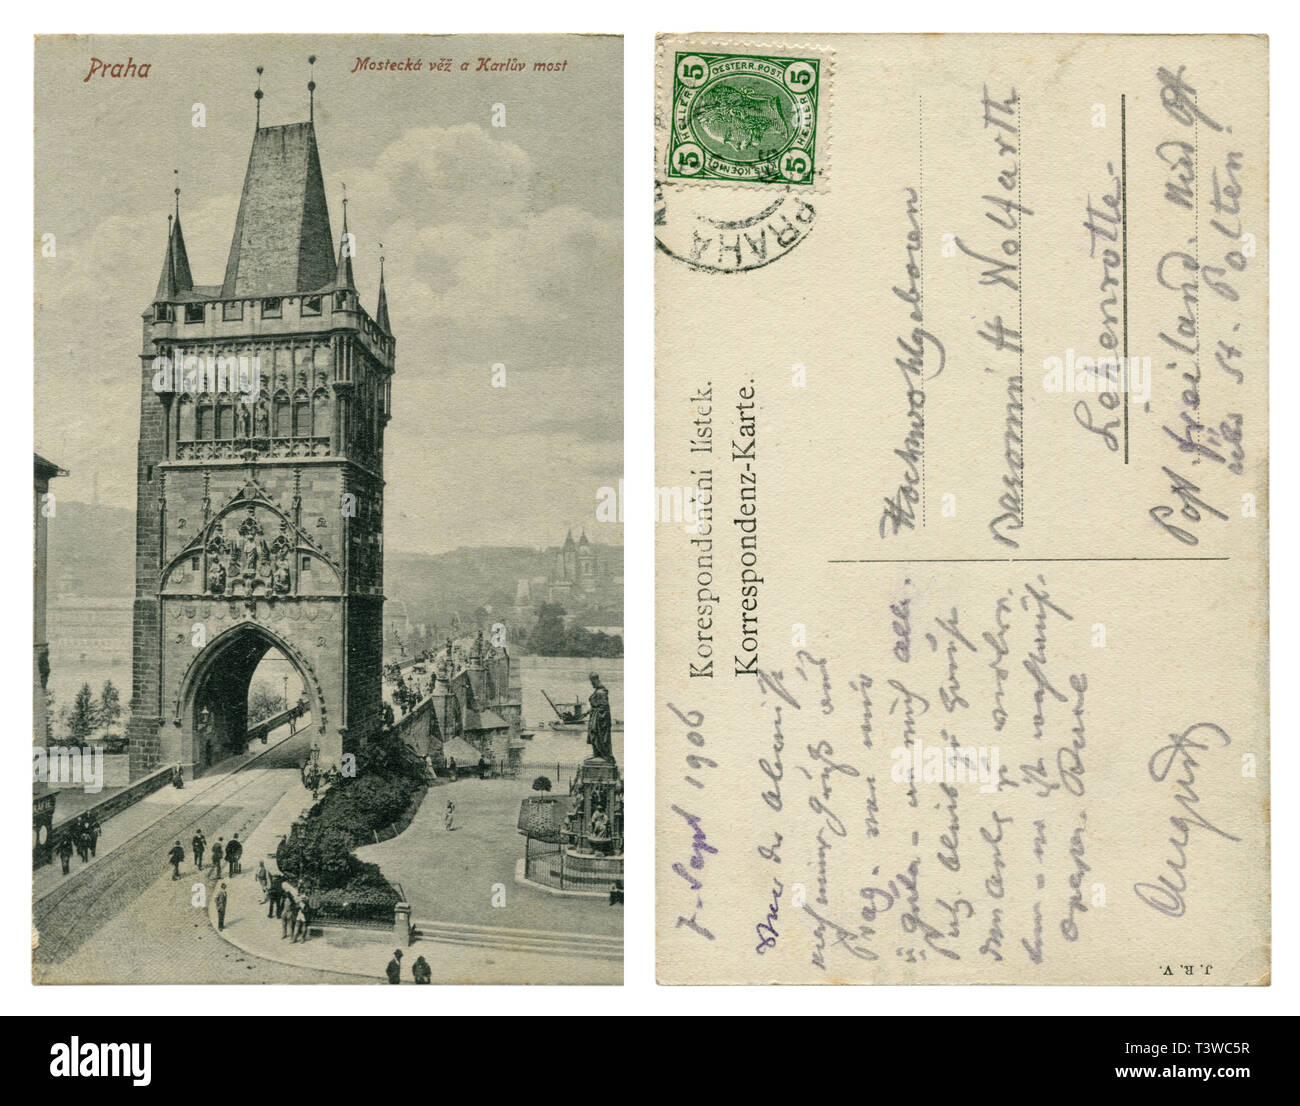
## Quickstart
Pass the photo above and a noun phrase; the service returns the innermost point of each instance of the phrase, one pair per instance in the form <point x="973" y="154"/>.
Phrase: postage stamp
<point x="744" y="118"/>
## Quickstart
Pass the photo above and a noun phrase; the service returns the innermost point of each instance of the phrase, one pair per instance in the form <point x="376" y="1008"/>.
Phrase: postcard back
<point x="961" y="381"/>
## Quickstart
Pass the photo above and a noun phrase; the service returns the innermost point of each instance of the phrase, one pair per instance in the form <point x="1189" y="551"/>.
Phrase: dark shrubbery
<point x="388" y="778"/>
<point x="320" y="851"/>
<point x="358" y="807"/>
<point x="366" y="896"/>
<point x="541" y="817"/>
<point x="541" y="783"/>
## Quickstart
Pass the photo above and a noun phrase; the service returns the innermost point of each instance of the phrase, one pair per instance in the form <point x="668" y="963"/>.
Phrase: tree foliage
<point x="110" y="705"/>
<point x="552" y="638"/>
<point x="81" y="719"/>
<point x="263" y="702"/>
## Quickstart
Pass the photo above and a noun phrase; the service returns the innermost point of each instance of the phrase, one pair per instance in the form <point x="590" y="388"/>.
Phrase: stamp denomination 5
<point x="744" y="118"/>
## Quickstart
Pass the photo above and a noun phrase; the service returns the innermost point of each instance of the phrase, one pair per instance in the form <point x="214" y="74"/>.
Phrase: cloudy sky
<point x="503" y="245"/>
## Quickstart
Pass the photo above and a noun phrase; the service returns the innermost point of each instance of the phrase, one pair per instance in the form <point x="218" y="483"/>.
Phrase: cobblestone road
<point x="124" y="920"/>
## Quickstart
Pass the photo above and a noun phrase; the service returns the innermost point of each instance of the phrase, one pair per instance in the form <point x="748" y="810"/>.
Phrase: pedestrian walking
<point x="275" y="896"/>
<point x="174" y="858"/>
<point x="79" y="838"/>
<point x="289" y="919"/>
<point x="448" y="814"/>
<point x="300" y="925"/>
<point x="93" y="832"/>
<point x="198" y="843"/>
<point x="263" y="878"/>
<point x="65" y="852"/>
<point x="421" y="971"/>
<point x="394" y="968"/>
<point x="218" y="854"/>
<point x="234" y="853"/>
<point x="221" y="906"/>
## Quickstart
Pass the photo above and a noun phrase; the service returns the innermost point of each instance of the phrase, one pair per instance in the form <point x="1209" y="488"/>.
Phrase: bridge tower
<point x="259" y="517"/>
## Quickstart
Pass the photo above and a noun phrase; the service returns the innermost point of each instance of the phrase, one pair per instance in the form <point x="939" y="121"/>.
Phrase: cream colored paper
<point x="962" y="670"/>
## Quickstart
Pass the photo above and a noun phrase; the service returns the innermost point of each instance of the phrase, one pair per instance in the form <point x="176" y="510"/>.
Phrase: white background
<point x="638" y="24"/>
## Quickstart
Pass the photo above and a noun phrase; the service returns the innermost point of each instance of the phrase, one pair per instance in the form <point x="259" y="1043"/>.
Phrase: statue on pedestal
<point x="600" y="722"/>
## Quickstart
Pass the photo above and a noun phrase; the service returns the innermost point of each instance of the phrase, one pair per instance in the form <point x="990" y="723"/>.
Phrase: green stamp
<point x="744" y="118"/>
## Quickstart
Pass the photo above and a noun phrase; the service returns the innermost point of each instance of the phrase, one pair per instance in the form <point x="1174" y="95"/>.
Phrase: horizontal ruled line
<point x="1004" y="560"/>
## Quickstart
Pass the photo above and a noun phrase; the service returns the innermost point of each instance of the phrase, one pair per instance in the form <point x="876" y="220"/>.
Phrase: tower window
<point x="194" y="312"/>
<point x="194" y="564"/>
<point x="340" y="301"/>
<point x="232" y="311"/>
<point x="225" y="423"/>
<point x="162" y="312"/>
<point x="311" y="305"/>
<point x="271" y="308"/>
<point x="306" y="563"/>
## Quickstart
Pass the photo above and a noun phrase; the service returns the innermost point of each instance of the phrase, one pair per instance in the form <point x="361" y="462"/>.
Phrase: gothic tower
<point x="586" y="564"/>
<point x="259" y="517"/>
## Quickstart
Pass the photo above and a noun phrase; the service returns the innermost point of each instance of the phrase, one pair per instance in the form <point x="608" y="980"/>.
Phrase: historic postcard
<point x="962" y="530"/>
<point x="328" y="665"/>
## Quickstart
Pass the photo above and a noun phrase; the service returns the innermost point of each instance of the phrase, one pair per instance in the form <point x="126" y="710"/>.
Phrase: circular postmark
<point x="730" y="230"/>
<point x="744" y="118"/>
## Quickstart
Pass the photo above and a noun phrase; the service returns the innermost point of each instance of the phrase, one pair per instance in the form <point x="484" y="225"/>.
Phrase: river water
<point x="562" y="678"/>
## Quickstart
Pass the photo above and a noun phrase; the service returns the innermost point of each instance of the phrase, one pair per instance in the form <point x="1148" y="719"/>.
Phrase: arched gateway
<point x="212" y="711"/>
<point x="259" y="519"/>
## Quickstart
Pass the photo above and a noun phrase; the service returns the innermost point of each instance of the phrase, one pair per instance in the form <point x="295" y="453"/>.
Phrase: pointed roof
<point x="568" y="541"/>
<point x="381" y="312"/>
<point x="283" y="242"/>
<point x="175" y="280"/>
<point x="583" y="540"/>
<point x="343" y="270"/>
<point x="47" y="469"/>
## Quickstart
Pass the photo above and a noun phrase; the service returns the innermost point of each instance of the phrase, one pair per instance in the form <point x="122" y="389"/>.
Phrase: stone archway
<point x="211" y="712"/>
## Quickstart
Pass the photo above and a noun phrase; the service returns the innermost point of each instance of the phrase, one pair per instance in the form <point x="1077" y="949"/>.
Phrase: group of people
<point x="420" y="970"/>
<point x="483" y="768"/>
<point x="407" y="696"/>
<point x="286" y="902"/>
<point x="292" y="714"/>
<point x="225" y="852"/>
<point x="283" y="899"/>
<point x="81" y="837"/>
<point x="313" y="777"/>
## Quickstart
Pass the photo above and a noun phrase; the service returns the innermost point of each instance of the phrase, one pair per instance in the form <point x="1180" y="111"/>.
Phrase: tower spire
<point x="343" y="275"/>
<point x="176" y="279"/>
<point x="381" y="311"/>
<point x="258" y="96"/>
<point x="311" y="90"/>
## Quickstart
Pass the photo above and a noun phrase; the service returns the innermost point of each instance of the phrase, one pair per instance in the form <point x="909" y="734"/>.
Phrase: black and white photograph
<point x="328" y="631"/>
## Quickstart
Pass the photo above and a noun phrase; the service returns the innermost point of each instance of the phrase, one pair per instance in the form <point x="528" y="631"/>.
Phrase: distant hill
<point x="92" y="553"/>
<point x="432" y="587"/>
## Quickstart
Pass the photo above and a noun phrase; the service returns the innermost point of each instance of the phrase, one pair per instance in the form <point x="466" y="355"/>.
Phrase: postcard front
<point x="961" y="410"/>
<point x="328" y="676"/>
